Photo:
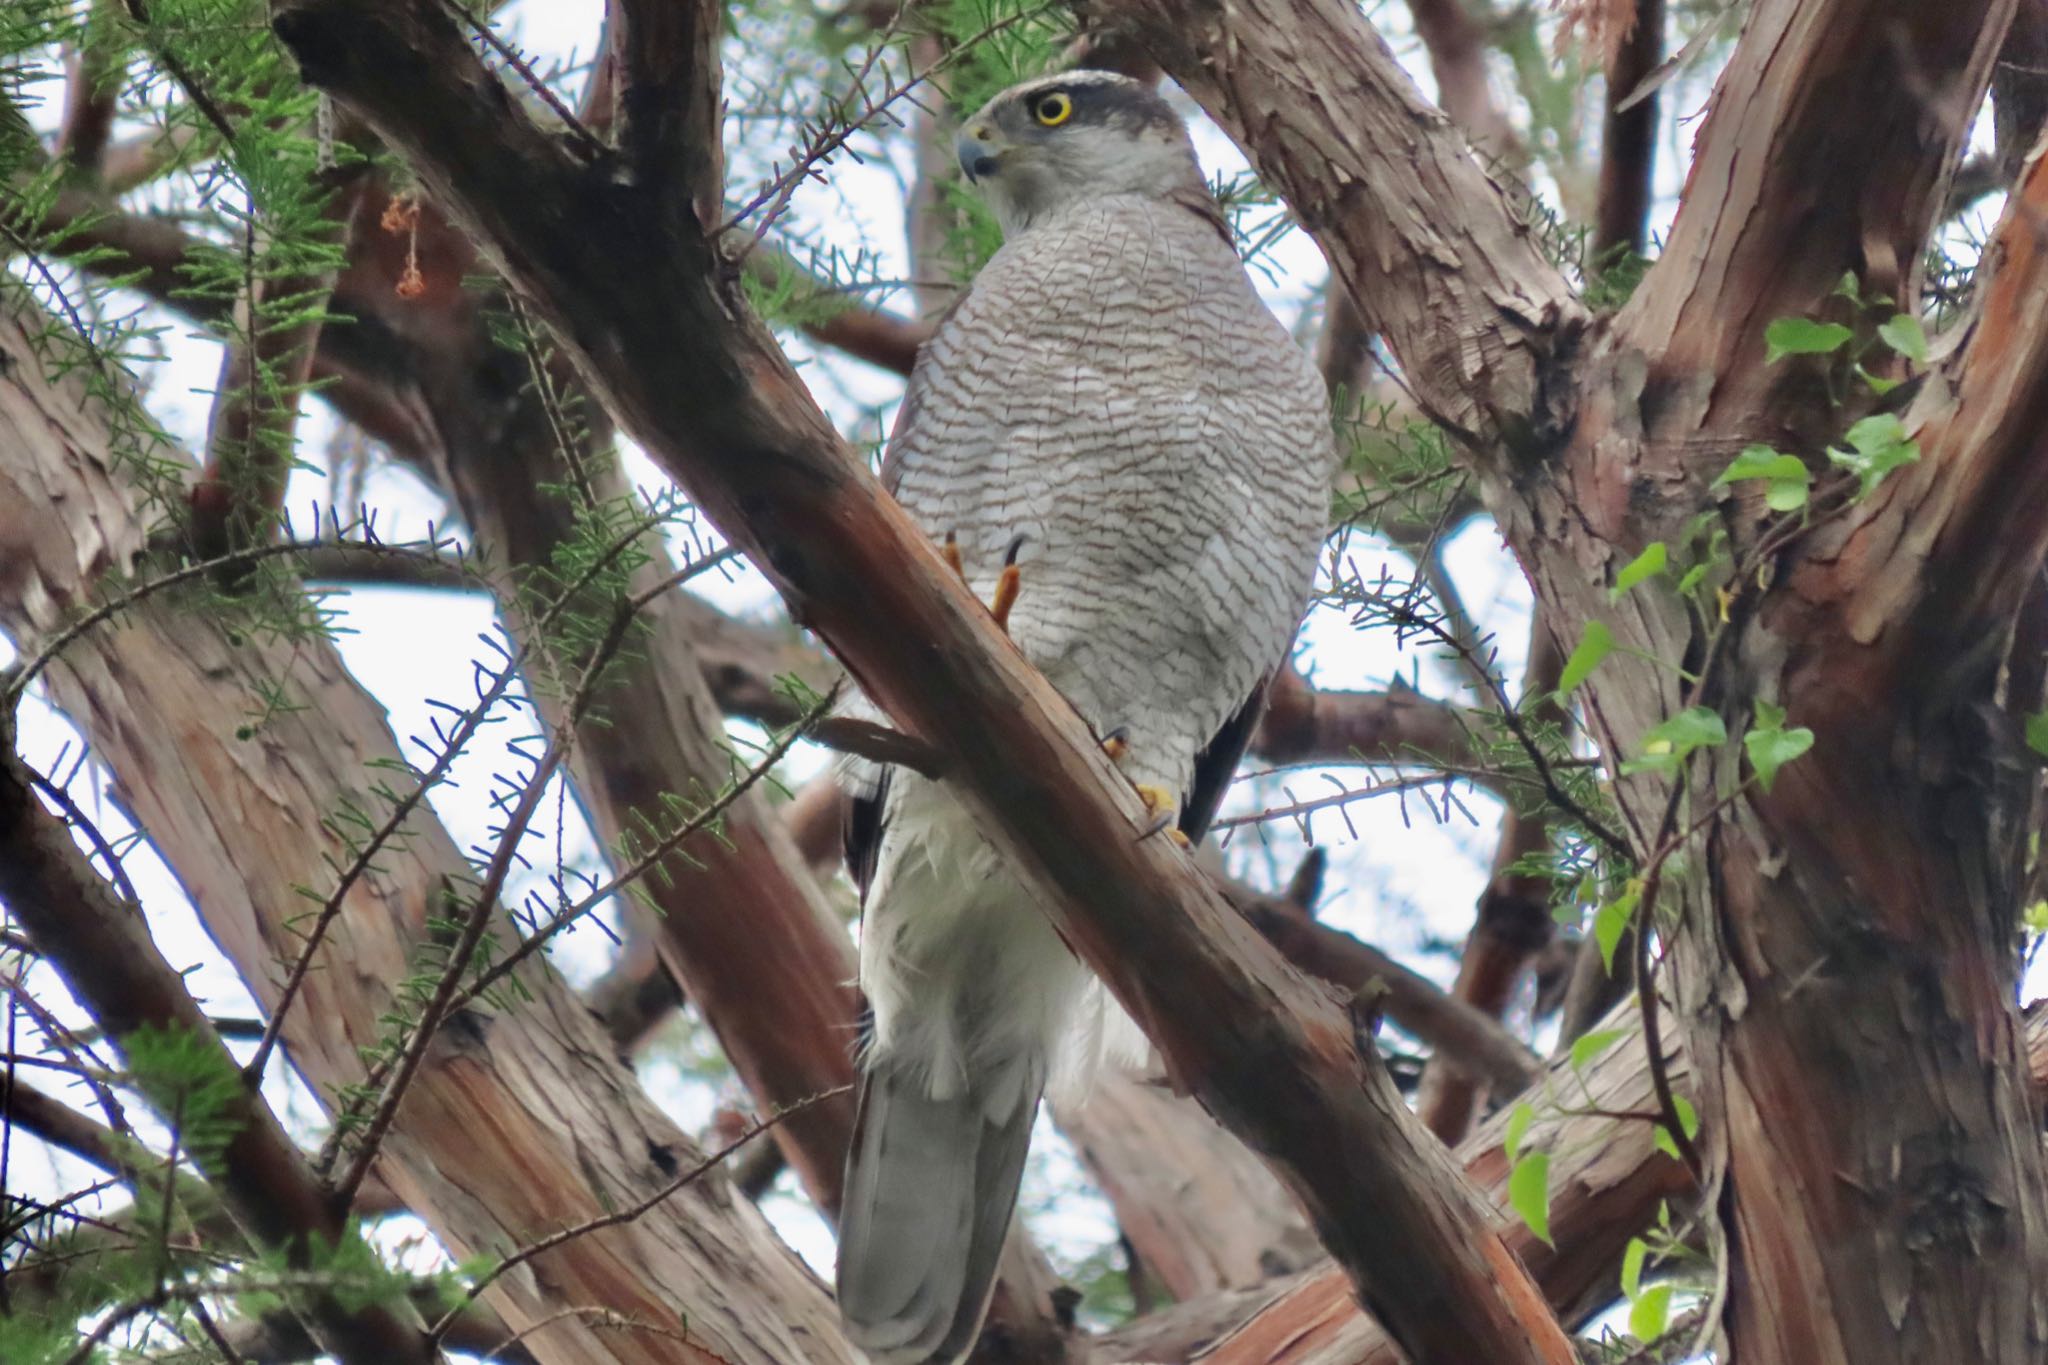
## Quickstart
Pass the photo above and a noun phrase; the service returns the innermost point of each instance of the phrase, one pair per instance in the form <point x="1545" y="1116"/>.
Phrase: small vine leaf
<point x="1632" y="1260"/>
<point x="1650" y="1314"/>
<point x="1519" y="1119"/>
<point x="1529" y="1193"/>
<point x="1905" y="335"/>
<point x="1595" y="645"/>
<point x="1648" y="564"/>
<point x="1591" y="1045"/>
<point x="1803" y="336"/>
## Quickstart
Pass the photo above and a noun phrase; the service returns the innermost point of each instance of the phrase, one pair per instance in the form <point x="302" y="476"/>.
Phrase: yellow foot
<point x="1008" y="584"/>
<point x="1116" y="744"/>
<point x="1159" y="803"/>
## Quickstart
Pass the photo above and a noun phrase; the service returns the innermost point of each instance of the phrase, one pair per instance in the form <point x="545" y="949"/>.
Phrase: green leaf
<point x="1878" y="384"/>
<point x="2037" y="733"/>
<point x="1519" y="1119"/>
<point x="1786" y="476"/>
<point x="1876" y="433"/>
<point x="1769" y="715"/>
<point x="1905" y="335"/>
<point x="1632" y="1260"/>
<point x="1877" y="445"/>
<point x="1666" y="746"/>
<point x="1770" y="750"/>
<point x="1648" y="564"/>
<point x="1846" y="287"/>
<point x="2036" y="918"/>
<point x="1529" y="1193"/>
<point x="1693" y="577"/>
<point x="1688" y="1117"/>
<point x="1802" y="336"/>
<point x="1596" y="644"/>
<point x="1758" y="462"/>
<point x="1591" y="1045"/>
<point x="1650" y="1314"/>
<point x="1786" y="495"/>
<point x="1611" y="921"/>
<point x="1660" y="1137"/>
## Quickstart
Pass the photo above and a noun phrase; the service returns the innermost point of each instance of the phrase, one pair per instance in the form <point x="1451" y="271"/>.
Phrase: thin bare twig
<point x="628" y="1214"/>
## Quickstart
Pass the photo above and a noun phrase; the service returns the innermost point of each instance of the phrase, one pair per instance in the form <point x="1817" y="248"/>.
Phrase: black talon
<point x="1016" y="544"/>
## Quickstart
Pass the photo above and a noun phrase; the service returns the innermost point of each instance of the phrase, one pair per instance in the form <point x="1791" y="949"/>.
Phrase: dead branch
<point x="1304" y="724"/>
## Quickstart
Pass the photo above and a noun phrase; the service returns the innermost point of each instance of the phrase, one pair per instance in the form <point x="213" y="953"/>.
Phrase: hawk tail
<point x="930" y="1187"/>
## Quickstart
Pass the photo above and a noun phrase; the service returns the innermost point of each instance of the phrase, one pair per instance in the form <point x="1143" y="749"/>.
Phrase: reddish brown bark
<point x="102" y="947"/>
<point x="1265" y="1051"/>
<point x="521" y="1121"/>
<point x="1606" y="1181"/>
<point x="1874" y="886"/>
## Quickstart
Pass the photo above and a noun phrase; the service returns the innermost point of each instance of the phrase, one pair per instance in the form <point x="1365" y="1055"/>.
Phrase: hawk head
<point x="1054" y="141"/>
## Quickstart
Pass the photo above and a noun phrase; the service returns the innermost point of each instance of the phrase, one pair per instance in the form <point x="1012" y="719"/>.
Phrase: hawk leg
<point x="1008" y="584"/>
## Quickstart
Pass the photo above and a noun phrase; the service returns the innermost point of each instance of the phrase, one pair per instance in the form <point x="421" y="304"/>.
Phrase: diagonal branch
<point x="654" y="321"/>
<point x="103" y="949"/>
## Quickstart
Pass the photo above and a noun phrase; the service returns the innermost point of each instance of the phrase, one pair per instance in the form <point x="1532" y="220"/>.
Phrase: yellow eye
<point x="1053" y="110"/>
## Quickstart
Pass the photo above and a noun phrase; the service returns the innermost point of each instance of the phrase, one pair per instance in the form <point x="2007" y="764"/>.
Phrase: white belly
<point x="965" y="974"/>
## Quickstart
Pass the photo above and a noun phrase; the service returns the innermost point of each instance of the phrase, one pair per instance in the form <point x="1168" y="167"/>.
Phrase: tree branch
<point x="1607" y="1179"/>
<point x="92" y="87"/>
<point x="1431" y="250"/>
<point x="243" y="821"/>
<point x="103" y="949"/>
<point x="1411" y="1000"/>
<point x="1628" y="140"/>
<point x="1780" y="199"/>
<point x="665" y="67"/>
<point x="1457" y="57"/>
<point x="1303" y="724"/>
<point x="1271" y="1056"/>
<point x="263" y="373"/>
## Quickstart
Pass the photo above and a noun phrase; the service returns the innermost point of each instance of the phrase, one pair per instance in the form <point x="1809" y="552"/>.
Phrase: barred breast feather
<point x="1113" y="392"/>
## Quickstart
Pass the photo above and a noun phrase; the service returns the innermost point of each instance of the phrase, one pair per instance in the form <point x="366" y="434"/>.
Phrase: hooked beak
<point x="977" y="147"/>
